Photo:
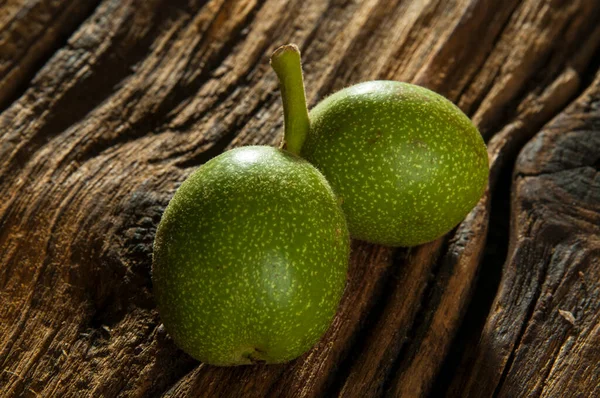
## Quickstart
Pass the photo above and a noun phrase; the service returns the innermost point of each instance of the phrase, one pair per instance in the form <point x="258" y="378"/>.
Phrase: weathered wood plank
<point x="542" y="332"/>
<point x="145" y="91"/>
<point x="414" y="364"/>
<point x="31" y="30"/>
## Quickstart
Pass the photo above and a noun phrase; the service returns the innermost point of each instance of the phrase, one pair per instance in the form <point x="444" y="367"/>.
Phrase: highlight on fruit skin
<point x="406" y="162"/>
<point x="250" y="258"/>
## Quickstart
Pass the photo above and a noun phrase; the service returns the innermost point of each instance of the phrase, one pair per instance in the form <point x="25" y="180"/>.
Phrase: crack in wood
<point x="382" y="296"/>
<point x="522" y="329"/>
<point x="49" y="34"/>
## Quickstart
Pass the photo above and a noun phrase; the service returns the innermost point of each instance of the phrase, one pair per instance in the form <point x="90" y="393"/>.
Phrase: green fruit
<point x="250" y="258"/>
<point x="407" y="164"/>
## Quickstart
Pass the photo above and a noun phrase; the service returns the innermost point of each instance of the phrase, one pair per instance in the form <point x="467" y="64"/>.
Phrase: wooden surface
<point x="106" y="107"/>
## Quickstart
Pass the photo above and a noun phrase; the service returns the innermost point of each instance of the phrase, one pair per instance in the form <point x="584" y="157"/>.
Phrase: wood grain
<point x="542" y="332"/>
<point x="30" y="30"/>
<point x="143" y="92"/>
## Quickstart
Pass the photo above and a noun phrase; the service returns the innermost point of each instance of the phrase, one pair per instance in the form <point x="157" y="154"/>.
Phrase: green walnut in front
<point x="250" y="258"/>
<point x="406" y="163"/>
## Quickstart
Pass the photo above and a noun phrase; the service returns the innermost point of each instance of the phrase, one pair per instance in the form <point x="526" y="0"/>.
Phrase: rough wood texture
<point x="542" y="334"/>
<point x="143" y="92"/>
<point x="29" y="31"/>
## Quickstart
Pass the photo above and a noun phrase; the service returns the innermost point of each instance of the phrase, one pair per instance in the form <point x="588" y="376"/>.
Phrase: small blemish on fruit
<point x="375" y="138"/>
<point x="419" y="143"/>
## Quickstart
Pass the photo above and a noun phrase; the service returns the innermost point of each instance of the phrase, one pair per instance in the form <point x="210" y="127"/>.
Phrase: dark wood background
<point x="106" y="107"/>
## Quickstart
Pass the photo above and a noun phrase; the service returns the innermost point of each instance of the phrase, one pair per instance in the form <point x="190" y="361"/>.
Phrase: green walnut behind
<point x="406" y="163"/>
<point x="250" y="258"/>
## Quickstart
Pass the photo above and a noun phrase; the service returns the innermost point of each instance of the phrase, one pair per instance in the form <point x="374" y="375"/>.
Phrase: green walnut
<point x="405" y="162"/>
<point x="250" y="258"/>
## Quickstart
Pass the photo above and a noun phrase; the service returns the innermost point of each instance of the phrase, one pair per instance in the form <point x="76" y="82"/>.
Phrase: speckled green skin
<point x="250" y="258"/>
<point x="406" y="162"/>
